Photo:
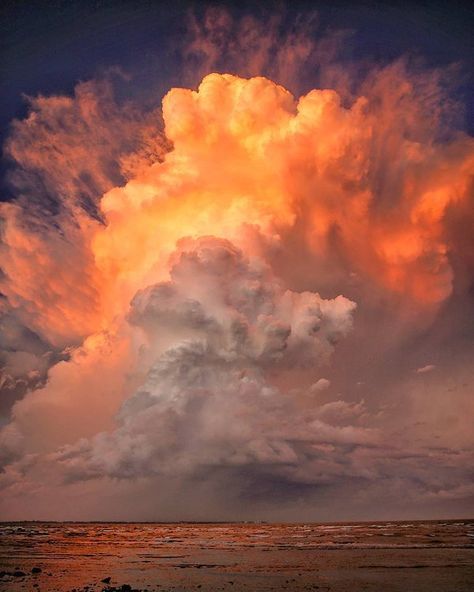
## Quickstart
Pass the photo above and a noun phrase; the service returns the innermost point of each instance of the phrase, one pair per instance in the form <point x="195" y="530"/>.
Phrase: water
<point x="392" y="556"/>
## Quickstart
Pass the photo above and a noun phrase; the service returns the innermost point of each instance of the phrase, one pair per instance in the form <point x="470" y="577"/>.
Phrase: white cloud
<point x="425" y="369"/>
<point x="320" y="385"/>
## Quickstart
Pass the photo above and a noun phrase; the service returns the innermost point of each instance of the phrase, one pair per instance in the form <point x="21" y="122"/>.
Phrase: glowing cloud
<point x="163" y="278"/>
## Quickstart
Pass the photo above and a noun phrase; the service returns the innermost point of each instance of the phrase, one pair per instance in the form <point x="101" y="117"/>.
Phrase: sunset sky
<point x="236" y="261"/>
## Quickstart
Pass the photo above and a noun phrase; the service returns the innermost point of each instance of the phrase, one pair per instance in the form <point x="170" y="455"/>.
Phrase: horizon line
<point x="240" y="522"/>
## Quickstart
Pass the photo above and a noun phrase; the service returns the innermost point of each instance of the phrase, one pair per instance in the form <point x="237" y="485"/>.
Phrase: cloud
<point x="219" y="329"/>
<point x="176" y="279"/>
<point x="62" y="157"/>
<point x="425" y="369"/>
<point x="320" y="385"/>
<point x="335" y="192"/>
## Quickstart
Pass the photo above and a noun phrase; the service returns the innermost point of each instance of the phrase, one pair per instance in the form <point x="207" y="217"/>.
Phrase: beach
<point x="390" y="556"/>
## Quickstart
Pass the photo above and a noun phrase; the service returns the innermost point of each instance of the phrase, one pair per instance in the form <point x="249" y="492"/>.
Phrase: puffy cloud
<point x="222" y="330"/>
<point x="341" y="412"/>
<point x="320" y="385"/>
<point x="241" y="307"/>
<point x="279" y="173"/>
<point x="276" y="172"/>
<point x="425" y="369"/>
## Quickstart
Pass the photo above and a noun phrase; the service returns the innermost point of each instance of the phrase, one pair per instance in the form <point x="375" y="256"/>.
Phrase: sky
<point x="236" y="261"/>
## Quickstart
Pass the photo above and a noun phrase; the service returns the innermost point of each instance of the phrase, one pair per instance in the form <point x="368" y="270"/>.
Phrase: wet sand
<point x="396" y="556"/>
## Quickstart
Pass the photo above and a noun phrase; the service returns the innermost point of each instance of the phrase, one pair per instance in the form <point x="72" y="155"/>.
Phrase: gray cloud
<point x="226" y="328"/>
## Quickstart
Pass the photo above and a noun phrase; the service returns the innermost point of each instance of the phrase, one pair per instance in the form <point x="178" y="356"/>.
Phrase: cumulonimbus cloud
<point x="156" y="268"/>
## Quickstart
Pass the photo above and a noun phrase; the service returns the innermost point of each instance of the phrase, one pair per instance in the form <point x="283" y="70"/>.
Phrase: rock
<point x="19" y="574"/>
<point x="36" y="570"/>
<point x="126" y="588"/>
<point x="106" y="580"/>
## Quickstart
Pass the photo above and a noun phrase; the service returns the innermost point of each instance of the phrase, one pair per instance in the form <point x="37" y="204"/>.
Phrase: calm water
<point x="392" y="556"/>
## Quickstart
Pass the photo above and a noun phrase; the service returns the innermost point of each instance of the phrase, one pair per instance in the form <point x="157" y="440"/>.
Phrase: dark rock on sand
<point x="36" y="570"/>
<point x="19" y="574"/>
<point x="106" y="580"/>
<point x="122" y="588"/>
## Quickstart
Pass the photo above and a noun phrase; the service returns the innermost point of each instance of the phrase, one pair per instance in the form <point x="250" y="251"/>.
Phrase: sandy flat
<point x="418" y="557"/>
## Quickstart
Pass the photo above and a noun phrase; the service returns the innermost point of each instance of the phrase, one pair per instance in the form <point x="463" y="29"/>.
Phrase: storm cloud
<point x="255" y="292"/>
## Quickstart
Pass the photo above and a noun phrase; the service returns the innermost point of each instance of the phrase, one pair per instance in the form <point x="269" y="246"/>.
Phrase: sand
<point x="397" y="556"/>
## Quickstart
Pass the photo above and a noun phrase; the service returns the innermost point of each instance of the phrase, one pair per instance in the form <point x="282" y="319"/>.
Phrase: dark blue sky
<point x="47" y="47"/>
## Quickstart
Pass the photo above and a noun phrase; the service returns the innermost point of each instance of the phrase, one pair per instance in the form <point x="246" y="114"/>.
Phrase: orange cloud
<point x="244" y="150"/>
<point x="366" y="187"/>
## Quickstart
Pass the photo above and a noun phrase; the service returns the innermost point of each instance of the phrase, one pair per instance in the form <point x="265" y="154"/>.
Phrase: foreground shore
<point x="396" y="556"/>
